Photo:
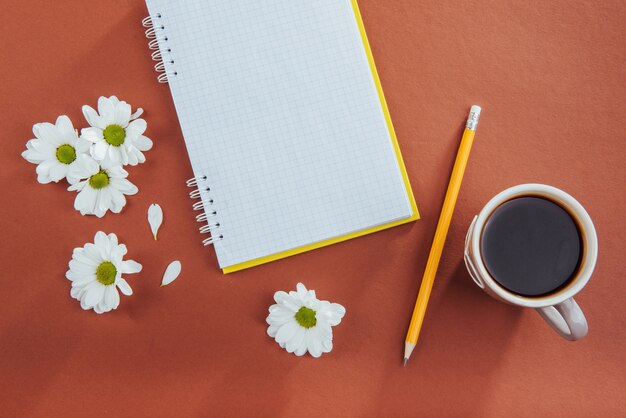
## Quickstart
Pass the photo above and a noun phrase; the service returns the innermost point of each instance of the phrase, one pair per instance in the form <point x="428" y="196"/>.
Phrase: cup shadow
<point x="462" y="344"/>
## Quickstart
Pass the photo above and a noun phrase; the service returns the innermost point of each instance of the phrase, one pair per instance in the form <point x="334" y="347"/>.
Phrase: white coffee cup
<point x="559" y="308"/>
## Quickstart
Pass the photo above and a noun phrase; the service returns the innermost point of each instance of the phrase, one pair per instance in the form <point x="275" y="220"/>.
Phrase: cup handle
<point x="566" y="318"/>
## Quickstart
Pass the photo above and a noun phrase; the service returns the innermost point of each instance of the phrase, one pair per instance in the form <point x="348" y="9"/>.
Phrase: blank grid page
<point x="279" y="110"/>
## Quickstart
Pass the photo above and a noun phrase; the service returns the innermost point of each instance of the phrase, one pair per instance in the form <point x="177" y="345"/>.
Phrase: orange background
<point x="550" y="77"/>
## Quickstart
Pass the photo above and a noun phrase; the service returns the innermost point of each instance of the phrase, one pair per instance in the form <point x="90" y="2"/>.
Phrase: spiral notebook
<point x="285" y="123"/>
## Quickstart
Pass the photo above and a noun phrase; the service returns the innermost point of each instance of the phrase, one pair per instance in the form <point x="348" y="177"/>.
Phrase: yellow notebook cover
<point x="415" y="213"/>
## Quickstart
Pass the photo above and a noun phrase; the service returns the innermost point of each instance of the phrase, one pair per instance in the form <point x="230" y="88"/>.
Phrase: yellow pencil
<point x="442" y="231"/>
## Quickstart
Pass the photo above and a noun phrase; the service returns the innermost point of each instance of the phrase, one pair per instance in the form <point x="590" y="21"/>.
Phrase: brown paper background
<point x="550" y="77"/>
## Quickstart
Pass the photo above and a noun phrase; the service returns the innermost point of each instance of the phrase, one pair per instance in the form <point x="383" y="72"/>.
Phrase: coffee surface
<point x="531" y="246"/>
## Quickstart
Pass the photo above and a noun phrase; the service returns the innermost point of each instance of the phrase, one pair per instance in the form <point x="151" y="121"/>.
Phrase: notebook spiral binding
<point x="161" y="51"/>
<point x="208" y="218"/>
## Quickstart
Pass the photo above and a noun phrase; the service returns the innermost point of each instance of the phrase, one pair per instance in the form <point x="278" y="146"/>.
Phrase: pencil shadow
<point x="462" y="344"/>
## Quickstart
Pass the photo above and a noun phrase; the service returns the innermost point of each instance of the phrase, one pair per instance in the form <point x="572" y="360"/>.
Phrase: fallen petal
<point x="155" y="218"/>
<point x="171" y="273"/>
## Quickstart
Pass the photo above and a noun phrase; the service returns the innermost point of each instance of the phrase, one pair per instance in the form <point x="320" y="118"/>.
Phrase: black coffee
<point x="531" y="246"/>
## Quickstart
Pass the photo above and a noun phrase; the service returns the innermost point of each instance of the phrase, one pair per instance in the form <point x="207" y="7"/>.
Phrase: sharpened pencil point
<point x="406" y="360"/>
<point x="408" y="349"/>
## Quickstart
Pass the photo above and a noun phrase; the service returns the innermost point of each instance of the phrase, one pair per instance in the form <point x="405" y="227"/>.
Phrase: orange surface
<point x="550" y="78"/>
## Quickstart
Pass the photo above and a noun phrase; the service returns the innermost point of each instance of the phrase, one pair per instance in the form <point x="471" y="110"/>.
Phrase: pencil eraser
<point x="472" y="118"/>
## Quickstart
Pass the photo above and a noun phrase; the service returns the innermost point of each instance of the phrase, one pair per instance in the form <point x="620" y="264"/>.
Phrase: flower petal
<point x="33" y="156"/>
<point x="83" y="167"/>
<point x="143" y="143"/>
<point x="99" y="212"/>
<point x="93" y="252"/>
<point x="111" y="297"/>
<point x="77" y="187"/>
<point x="296" y="341"/>
<point x="136" y="128"/>
<point x="64" y="125"/>
<point x="171" y="273"/>
<point x="301" y="289"/>
<point x="337" y="312"/>
<point x="124" y="286"/>
<point x="99" y="151"/>
<point x="137" y="113"/>
<point x="104" y="201"/>
<point x="44" y="167"/>
<point x="115" y="154"/>
<point x="58" y="172"/>
<point x="122" y="114"/>
<point x="92" y="117"/>
<point x="75" y="292"/>
<point x="113" y="242"/>
<point x="272" y="330"/>
<point x="74" y="275"/>
<point x="106" y="109"/>
<point x="100" y="307"/>
<point x="124" y="186"/>
<point x="284" y="299"/>
<point x="82" y="145"/>
<point x="287" y="332"/>
<point x="118" y="201"/>
<point x="81" y="256"/>
<point x="279" y="315"/>
<point x="327" y="345"/>
<point x="89" y="165"/>
<point x="101" y="241"/>
<point x="92" y="134"/>
<point x="130" y="267"/>
<point x="129" y="156"/>
<point x="85" y="201"/>
<point x="81" y="268"/>
<point x="50" y="134"/>
<point x="155" y="218"/>
<point x="93" y="296"/>
<point x="314" y="345"/>
<point x="43" y="146"/>
<point x="302" y="349"/>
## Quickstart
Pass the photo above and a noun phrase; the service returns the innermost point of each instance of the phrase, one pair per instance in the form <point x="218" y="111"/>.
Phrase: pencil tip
<point x="406" y="360"/>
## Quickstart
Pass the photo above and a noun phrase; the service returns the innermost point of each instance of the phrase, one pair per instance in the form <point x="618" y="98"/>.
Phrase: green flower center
<point x="114" y="135"/>
<point x="99" y="180"/>
<point x="106" y="272"/>
<point x="66" y="154"/>
<point x="306" y="317"/>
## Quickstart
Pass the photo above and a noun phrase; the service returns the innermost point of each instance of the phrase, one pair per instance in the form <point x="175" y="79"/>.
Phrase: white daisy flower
<point x="101" y="190"/>
<point x="96" y="273"/>
<point x="299" y="322"/>
<point x="58" y="152"/>
<point x="116" y="134"/>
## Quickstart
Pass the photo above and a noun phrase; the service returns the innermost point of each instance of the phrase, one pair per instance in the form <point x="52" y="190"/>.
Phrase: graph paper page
<point x="280" y="112"/>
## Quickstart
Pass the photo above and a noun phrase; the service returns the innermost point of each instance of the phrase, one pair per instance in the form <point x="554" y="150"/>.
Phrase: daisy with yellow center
<point x="101" y="190"/>
<point x="58" y="152"/>
<point x="299" y="322"/>
<point x="96" y="273"/>
<point x="116" y="134"/>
